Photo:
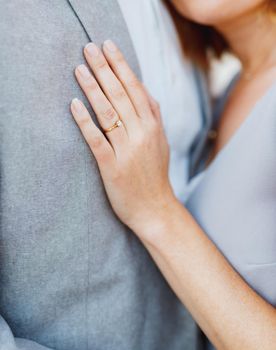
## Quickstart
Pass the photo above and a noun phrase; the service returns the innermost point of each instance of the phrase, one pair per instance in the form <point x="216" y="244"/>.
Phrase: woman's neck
<point x="252" y="38"/>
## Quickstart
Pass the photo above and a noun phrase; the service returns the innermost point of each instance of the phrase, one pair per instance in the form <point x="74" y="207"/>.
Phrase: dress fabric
<point x="169" y="77"/>
<point x="234" y="198"/>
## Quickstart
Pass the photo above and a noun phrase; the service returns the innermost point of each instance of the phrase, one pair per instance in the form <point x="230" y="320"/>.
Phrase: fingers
<point x="154" y="105"/>
<point x="128" y="79"/>
<point x="98" y="144"/>
<point x="111" y="86"/>
<point x="105" y="112"/>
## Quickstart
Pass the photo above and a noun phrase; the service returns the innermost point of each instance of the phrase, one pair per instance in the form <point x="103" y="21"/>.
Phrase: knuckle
<point x="96" y="141"/>
<point x="109" y="114"/>
<point x="103" y="157"/>
<point x="101" y="64"/>
<point x="92" y="84"/>
<point x="83" y="121"/>
<point x="119" y="58"/>
<point x="118" y="93"/>
<point x="140" y="141"/>
<point x="134" y="83"/>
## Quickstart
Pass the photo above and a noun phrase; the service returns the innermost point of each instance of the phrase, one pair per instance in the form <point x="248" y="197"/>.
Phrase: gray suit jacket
<point x="72" y="277"/>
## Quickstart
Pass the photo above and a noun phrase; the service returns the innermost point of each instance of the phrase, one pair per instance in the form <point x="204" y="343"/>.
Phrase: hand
<point x="132" y="158"/>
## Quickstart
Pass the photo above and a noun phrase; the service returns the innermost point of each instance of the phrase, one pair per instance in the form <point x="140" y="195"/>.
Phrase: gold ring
<point x="117" y="124"/>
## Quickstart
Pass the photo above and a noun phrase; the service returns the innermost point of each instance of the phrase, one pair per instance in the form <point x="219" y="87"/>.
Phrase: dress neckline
<point x="243" y="124"/>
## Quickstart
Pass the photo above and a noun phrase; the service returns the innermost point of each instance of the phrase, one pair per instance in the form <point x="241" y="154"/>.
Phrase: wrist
<point x="157" y="221"/>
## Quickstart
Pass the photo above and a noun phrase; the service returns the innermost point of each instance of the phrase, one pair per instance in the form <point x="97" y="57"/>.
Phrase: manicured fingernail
<point x="92" y="49"/>
<point x="84" y="71"/>
<point x="109" y="44"/>
<point x="77" y="105"/>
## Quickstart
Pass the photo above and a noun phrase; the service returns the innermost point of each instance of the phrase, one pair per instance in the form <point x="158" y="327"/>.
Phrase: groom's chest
<point x="43" y="43"/>
<point x="45" y="161"/>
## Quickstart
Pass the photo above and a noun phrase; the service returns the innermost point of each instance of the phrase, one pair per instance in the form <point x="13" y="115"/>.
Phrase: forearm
<point x="231" y="314"/>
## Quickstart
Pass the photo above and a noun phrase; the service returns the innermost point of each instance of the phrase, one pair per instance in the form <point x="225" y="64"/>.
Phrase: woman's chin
<point x="205" y="15"/>
<point x="216" y="12"/>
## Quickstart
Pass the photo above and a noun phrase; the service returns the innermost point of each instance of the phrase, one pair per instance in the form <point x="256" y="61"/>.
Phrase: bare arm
<point x="230" y="313"/>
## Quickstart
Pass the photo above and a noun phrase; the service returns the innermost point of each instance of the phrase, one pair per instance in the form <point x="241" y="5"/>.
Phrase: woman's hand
<point x="133" y="162"/>
<point x="133" y="157"/>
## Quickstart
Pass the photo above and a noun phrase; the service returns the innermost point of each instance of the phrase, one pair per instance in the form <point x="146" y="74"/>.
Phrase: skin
<point x="133" y="162"/>
<point x="246" y="25"/>
<point x="217" y="12"/>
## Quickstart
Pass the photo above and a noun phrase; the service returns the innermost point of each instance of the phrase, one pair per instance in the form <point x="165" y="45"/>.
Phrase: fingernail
<point x="76" y="104"/>
<point x="84" y="71"/>
<point x="109" y="44"/>
<point x="92" y="49"/>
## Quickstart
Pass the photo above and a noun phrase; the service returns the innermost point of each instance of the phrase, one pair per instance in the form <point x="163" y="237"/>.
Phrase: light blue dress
<point x="234" y="199"/>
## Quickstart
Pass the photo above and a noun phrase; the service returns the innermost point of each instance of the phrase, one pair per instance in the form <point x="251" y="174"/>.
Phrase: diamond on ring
<point x="117" y="124"/>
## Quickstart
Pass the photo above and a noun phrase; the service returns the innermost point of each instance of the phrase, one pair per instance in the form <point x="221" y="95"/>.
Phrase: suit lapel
<point x="103" y="19"/>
